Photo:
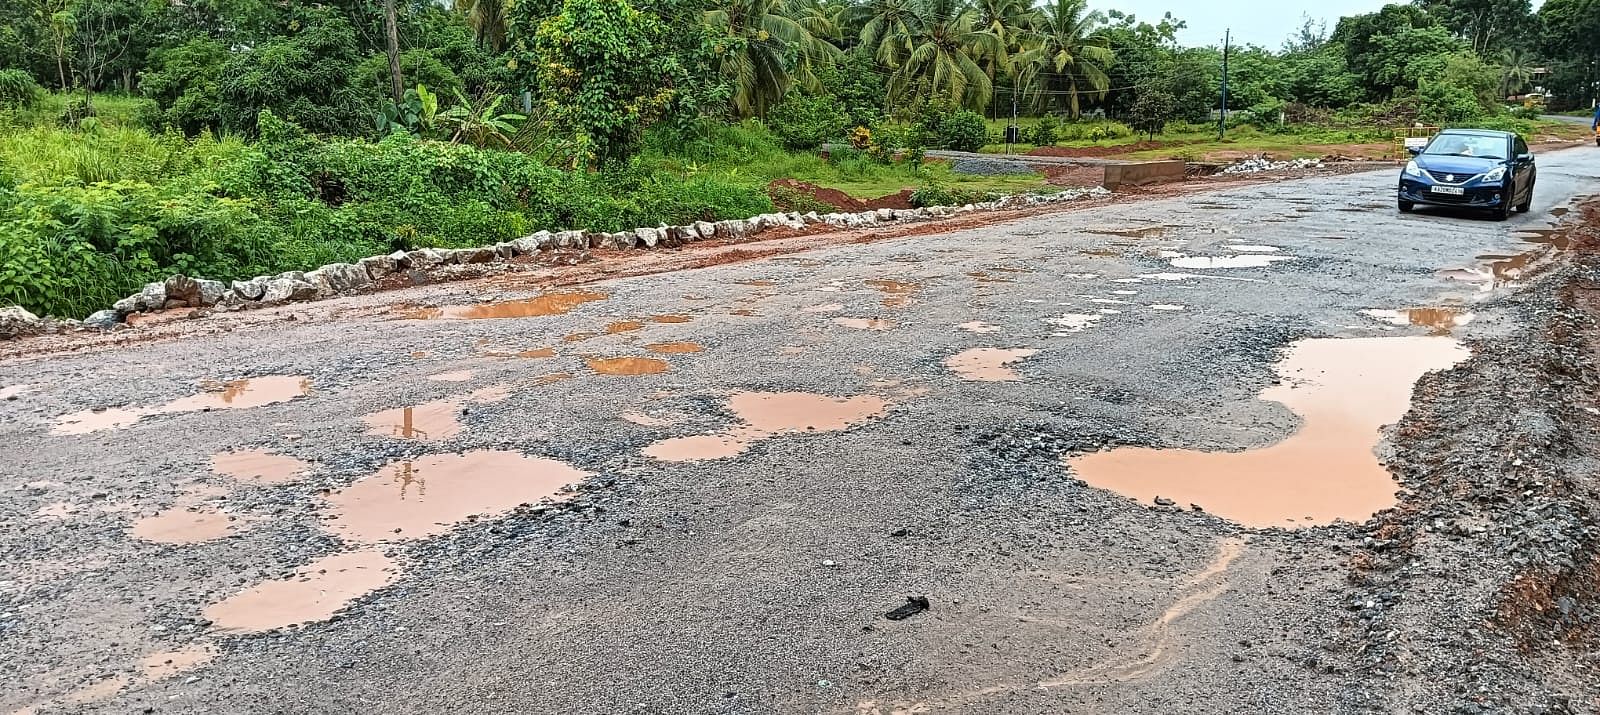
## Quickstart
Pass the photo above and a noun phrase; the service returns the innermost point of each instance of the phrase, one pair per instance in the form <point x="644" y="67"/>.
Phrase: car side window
<point x="1522" y="147"/>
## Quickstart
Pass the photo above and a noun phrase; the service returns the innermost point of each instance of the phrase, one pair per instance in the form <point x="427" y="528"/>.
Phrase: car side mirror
<point x="1414" y="150"/>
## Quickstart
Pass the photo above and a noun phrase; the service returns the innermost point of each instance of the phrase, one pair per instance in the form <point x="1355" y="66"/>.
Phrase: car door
<point x="1522" y="166"/>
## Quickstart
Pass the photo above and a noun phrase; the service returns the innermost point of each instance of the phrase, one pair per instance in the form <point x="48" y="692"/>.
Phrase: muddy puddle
<point x="430" y="495"/>
<point x="429" y="421"/>
<point x="1246" y="260"/>
<point x="257" y="466"/>
<point x="533" y="354"/>
<point x="669" y="319"/>
<point x="11" y="392"/>
<point x="864" y="323"/>
<point x="1344" y="391"/>
<point x="160" y="666"/>
<point x="674" y="348"/>
<point x="1497" y="271"/>
<point x="1438" y="321"/>
<point x="1561" y="241"/>
<point x="624" y="326"/>
<point x="557" y="303"/>
<point x="979" y="327"/>
<point x="180" y="525"/>
<point x="763" y="415"/>
<point x="316" y="592"/>
<point x="1068" y="323"/>
<point x="823" y="308"/>
<point x="626" y="365"/>
<point x="453" y="376"/>
<point x="231" y="395"/>
<point x="988" y="364"/>
<point x="1130" y="231"/>
<point x="896" y="293"/>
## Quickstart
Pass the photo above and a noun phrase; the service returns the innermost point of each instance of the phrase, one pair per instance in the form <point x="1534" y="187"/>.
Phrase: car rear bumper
<point x="1477" y="197"/>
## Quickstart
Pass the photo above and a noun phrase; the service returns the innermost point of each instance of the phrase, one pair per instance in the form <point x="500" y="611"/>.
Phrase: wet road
<point x="769" y="456"/>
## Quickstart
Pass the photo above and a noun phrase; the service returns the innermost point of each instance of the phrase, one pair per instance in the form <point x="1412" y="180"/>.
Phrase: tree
<point x="487" y="18"/>
<point x="1067" y="58"/>
<point x="1009" y="20"/>
<point x="1516" y="68"/>
<point x="1487" y="25"/>
<point x="1363" y="36"/>
<point x="1572" y="38"/>
<point x="945" y="42"/>
<point x="391" y="37"/>
<point x="764" y="52"/>
<point x="886" y="29"/>
<point x="1152" y="110"/>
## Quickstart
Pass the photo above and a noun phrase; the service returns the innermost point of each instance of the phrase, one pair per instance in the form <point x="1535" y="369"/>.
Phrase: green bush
<point x="804" y="123"/>
<point x="935" y="194"/>
<point x="1441" y="103"/>
<point x="946" y="127"/>
<point x="1043" y="132"/>
<point x="18" y="90"/>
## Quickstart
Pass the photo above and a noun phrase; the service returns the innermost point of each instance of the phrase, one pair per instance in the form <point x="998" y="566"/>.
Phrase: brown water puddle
<point x="743" y="313"/>
<point x="767" y="414"/>
<point x="987" y="364"/>
<point x="557" y="303"/>
<point x="535" y="353"/>
<point x="674" y="348"/>
<point x="1131" y="231"/>
<point x="455" y="376"/>
<point x="669" y="319"/>
<point x="258" y="466"/>
<point x="160" y="666"/>
<point x="431" y="495"/>
<point x="758" y="282"/>
<point x="419" y="354"/>
<point x="553" y="377"/>
<point x="429" y="421"/>
<point x="624" y="326"/>
<point x="1345" y="391"/>
<point x="1439" y="321"/>
<point x="12" y="391"/>
<point x="896" y="293"/>
<point x="316" y="592"/>
<point x="823" y="308"/>
<point x="1498" y="271"/>
<point x="180" y="525"/>
<point x="231" y="395"/>
<point x="865" y="323"/>
<point x="978" y="326"/>
<point x="1547" y="236"/>
<point x="626" y="365"/>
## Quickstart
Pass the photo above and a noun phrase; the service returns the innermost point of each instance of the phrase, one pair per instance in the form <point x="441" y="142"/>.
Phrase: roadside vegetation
<point x="227" y="140"/>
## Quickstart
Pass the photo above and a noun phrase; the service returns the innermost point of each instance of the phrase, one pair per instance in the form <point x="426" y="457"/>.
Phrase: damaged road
<point x="1045" y="465"/>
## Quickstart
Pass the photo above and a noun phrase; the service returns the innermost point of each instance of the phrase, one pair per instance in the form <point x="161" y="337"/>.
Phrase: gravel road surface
<point x="364" y="510"/>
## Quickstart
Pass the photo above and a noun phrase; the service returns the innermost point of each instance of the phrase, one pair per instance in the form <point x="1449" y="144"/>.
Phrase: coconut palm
<point x="824" y="19"/>
<point x="1009" y="20"/>
<point x="1066" y="59"/>
<point x="1516" y="68"/>
<point x="945" y="44"/>
<point x="764" y="52"/>
<point x="487" y="18"/>
<point x="886" y="29"/>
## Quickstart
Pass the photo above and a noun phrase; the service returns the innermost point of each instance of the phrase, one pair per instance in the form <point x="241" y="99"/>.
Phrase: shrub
<point x="944" y="126"/>
<point x="1441" y="103"/>
<point x="936" y="194"/>
<point x="18" y="90"/>
<point x="804" y="123"/>
<point x="1043" y="132"/>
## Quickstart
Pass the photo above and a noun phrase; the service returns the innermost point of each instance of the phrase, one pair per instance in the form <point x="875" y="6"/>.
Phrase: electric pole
<point x="1222" y="117"/>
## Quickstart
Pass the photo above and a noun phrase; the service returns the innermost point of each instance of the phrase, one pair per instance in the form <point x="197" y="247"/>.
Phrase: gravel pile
<point x="1262" y="164"/>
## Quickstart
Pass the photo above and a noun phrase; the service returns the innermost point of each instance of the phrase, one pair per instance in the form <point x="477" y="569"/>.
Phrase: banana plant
<point x="480" y="123"/>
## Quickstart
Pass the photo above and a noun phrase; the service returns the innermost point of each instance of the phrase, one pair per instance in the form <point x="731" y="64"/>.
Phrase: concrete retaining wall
<point x="1139" y="173"/>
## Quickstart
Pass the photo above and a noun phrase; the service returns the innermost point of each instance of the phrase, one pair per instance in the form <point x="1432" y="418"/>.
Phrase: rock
<point x="127" y="305"/>
<point x="346" y="277"/>
<point x="733" y="229"/>
<point x="103" y="319"/>
<point x="530" y="245"/>
<point x="174" y="303"/>
<point x="378" y="267"/>
<point x="1163" y="501"/>
<point x="885" y="214"/>
<point x="425" y="258"/>
<point x="706" y="229"/>
<point x="280" y="290"/>
<point x="210" y="292"/>
<point x="912" y="606"/>
<point x="504" y="250"/>
<point x="293" y="276"/>
<point x="466" y="256"/>
<point x="648" y="236"/>
<point x="251" y="289"/>
<point x="183" y="289"/>
<point x="571" y="239"/>
<point x="319" y="281"/>
<point x="16" y="321"/>
<point x="153" y="297"/>
<point x="401" y="261"/>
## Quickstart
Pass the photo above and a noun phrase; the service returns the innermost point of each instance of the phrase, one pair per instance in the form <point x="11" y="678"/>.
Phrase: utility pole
<point x="1222" y="118"/>
<point x="391" y="28"/>
<point x="1012" y="134"/>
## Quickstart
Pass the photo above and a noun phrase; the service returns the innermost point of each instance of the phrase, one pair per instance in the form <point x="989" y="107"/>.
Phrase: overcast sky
<point x="1262" y="22"/>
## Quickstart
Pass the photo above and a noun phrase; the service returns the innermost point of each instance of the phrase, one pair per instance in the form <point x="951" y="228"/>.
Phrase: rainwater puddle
<point x="1248" y="260"/>
<point x="1496" y="273"/>
<point x="1130" y="231"/>
<point x="1069" y="323"/>
<point x="179" y="525"/>
<point x="758" y="282"/>
<point x="674" y="348"/>
<point x="456" y="376"/>
<point x="896" y="293"/>
<point x="1246" y="248"/>
<point x="160" y="666"/>
<point x="256" y="466"/>
<point x="1345" y="391"/>
<point x="624" y="326"/>
<point x="669" y="319"/>
<point x="10" y="392"/>
<point x="865" y="323"/>
<point x="1171" y="307"/>
<point x="232" y="395"/>
<point x="558" y="303"/>
<point x="626" y="365"/>
<point x="551" y="378"/>
<point x="980" y="327"/>
<point x="988" y="364"/>
<point x="429" y="421"/>
<point x="316" y="592"/>
<point x="535" y="353"/>
<point x="823" y="308"/>
<point x="431" y="495"/>
<point x="768" y="414"/>
<point x="1439" y="321"/>
<point x="1546" y="236"/>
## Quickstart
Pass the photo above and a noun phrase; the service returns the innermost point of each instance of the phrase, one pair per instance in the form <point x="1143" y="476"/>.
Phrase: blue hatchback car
<point x="1471" y="168"/>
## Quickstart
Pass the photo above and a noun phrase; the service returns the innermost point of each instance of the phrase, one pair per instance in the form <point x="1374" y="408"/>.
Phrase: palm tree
<point x="944" y="44"/>
<point x="1516" y="68"/>
<point x="765" y="52"/>
<point x="824" y="19"/>
<point x="487" y="18"/>
<point x="886" y="29"/>
<point x="1009" y="20"/>
<point x="1066" y="59"/>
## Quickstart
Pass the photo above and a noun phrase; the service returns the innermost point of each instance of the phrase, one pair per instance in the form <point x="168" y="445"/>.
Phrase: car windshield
<point x="1467" y="145"/>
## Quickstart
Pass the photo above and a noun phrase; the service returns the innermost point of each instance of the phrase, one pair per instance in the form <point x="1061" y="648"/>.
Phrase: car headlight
<point x="1496" y="174"/>
<point x="1412" y="169"/>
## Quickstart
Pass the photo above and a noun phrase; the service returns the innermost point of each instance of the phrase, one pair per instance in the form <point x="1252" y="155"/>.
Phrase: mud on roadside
<point x="1481" y="591"/>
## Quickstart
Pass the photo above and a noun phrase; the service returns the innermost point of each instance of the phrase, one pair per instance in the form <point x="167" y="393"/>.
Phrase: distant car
<point x="1471" y="168"/>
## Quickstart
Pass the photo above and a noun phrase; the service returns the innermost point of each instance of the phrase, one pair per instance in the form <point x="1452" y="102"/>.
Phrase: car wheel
<point x="1527" y="202"/>
<point x="1502" y="213"/>
<point x="1406" y="206"/>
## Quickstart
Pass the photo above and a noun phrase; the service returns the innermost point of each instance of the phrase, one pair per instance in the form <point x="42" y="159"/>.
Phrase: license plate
<point x="1451" y="190"/>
